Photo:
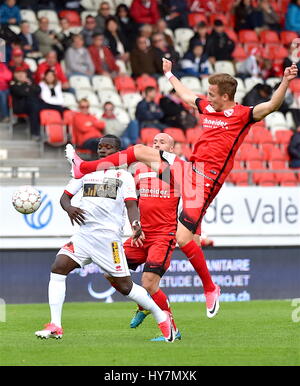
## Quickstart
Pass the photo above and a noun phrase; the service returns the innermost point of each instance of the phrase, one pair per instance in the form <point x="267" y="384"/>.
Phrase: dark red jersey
<point x="158" y="202"/>
<point x="223" y="133"/>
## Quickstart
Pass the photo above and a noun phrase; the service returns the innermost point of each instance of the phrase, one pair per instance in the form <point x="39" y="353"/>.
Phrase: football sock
<point x="120" y="158"/>
<point x="139" y="295"/>
<point x="196" y="257"/>
<point x="56" y="295"/>
<point x="162" y="301"/>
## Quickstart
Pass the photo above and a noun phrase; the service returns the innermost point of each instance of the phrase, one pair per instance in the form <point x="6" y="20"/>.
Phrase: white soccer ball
<point x="26" y="199"/>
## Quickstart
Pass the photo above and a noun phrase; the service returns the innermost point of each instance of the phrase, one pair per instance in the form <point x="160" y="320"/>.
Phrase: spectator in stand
<point x="294" y="57"/>
<point x="178" y="151"/>
<point x="252" y="66"/>
<point x="219" y="45"/>
<point x="17" y="63"/>
<point x="294" y="149"/>
<point x="145" y="11"/>
<point x="175" y="114"/>
<point x="162" y="50"/>
<point x="271" y="19"/>
<point x="143" y="59"/>
<point x="90" y="28"/>
<point x="202" y="6"/>
<point x="5" y="78"/>
<point x="102" y="57"/>
<point x="162" y="28"/>
<point x="104" y="12"/>
<point x="51" y="63"/>
<point x="146" y="30"/>
<point x="201" y="35"/>
<point x="195" y="62"/>
<point x="78" y="60"/>
<point x="128" y="134"/>
<point x="65" y="36"/>
<point x="25" y="100"/>
<point x="175" y="13"/>
<point x="292" y="19"/>
<point x="47" y="39"/>
<point x="10" y="13"/>
<point x="51" y="93"/>
<point x="260" y="93"/>
<point x="128" y="26"/>
<point x="87" y="128"/>
<point x="28" y="41"/>
<point x="247" y="16"/>
<point x="148" y="113"/>
<point x="117" y="42"/>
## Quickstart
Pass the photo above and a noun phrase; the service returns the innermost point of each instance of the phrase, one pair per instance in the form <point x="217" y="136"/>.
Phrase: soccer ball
<point x="26" y="199"/>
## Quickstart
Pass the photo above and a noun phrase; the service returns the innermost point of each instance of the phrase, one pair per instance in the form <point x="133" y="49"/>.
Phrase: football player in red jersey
<point x="225" y="125"/>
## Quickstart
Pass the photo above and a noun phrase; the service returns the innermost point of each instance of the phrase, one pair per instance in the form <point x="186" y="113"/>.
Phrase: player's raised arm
<point x="185" y="94"/>
<point x="261" y="110"/>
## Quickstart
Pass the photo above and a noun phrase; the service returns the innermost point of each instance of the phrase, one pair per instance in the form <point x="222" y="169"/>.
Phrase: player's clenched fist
<point x="291" y="72"/>
<point x="167" y="65"/>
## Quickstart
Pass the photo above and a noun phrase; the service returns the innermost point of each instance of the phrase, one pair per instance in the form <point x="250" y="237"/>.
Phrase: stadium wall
<point x="243" y="273"/>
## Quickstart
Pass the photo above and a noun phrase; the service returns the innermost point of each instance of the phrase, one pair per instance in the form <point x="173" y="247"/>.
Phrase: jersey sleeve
<point x="201" y="104"/>
<point x="128" y="187"/>
<point x="73" y="187"/>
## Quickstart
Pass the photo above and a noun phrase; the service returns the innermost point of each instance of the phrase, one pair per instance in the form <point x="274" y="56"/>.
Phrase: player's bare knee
<point x="124" y="287"/>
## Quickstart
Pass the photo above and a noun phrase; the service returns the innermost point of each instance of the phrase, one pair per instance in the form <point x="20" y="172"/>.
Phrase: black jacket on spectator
<point x="148" y="114"/>
<point x="294" y="150"/>
<point x="175" y="115"/>
<point x="219" y="46"/>
<point x="112" y="43"/>
<point x="171" y="55"/>
<point x="258" y="94"/>
<point x="21" y="92"/>
<point x="24" y="41"/>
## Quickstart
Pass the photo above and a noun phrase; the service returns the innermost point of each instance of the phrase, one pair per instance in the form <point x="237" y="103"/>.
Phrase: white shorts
<point x="108" y="254"/>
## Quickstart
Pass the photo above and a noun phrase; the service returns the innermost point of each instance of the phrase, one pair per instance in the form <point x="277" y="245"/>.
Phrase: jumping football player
<point x="225" y="125"/>
<point x="99" y="239"/>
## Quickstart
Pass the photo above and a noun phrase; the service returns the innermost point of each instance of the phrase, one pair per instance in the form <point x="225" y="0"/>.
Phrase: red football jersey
<point x="158" y="202"/>
<point x="223" y="133"/>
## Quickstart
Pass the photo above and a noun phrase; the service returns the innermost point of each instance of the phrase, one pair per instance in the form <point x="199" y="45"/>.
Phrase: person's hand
<point x="76" y="214"/>
<point x="291" y="72"/>
<point x="138" y="235"/>
<point x="12" y="21"/>
<point x="167" y="65"/>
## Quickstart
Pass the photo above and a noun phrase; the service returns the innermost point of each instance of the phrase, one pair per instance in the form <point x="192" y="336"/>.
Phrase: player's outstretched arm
<point x="261" y="110"/>
<point x="185" y="94"/>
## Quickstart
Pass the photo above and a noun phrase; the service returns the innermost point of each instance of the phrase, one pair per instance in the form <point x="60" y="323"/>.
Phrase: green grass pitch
<point x="250" y="333"/>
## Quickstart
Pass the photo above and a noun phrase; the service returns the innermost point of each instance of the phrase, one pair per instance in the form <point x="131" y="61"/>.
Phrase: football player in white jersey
<point x="101" y="216"/>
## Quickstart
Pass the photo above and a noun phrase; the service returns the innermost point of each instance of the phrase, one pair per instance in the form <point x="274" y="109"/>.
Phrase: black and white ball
<point x="26" y="199"/>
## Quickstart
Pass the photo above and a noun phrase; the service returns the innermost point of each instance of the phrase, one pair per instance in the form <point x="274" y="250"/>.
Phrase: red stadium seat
<point x="239" y="178"/>
<point x="275" y="51"/>
<point x="53" y="128"/>
<point x="286" y="179"/>
<point x="272" y="153"/>
<point x="177" y="134"/>
<point x="295" y="85"/>
<point x="283" y="137"/>
<point x="195" y="18"/>
<point x="249" y="47"/>
<point x="261" y="135"/>
<point x="255" y="165"/>
<point x="278" y="165"/>
<point x="264" y="179"/>
<point x="269" y="36"/>
<point x="239" y="54"/>
<point x="192" y="135"/>
<point x="125" y="84"/>
<point x="286" y="37"/>
<point x="145" y="81"/>
<point x="248" y="36"/>
<point x="249" y="153"/>
<point x="148" y="133"/>
<point x="72" y="16"/>
<point x="231" y="34"/>
<point x="48" y="117"/>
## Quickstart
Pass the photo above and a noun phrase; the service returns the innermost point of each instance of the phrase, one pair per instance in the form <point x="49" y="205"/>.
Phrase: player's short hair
<point x="226" y="84"/>
<point x="116" y="139"/>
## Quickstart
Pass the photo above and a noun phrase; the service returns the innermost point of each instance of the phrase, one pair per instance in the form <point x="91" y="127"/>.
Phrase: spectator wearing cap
<point x="78" y="60"/>
<point x="201" y="35"/>
<point x="51" y="63"/>
<point x="17" y="62"/>
<point x="104" y="12"/>
<point x="143" y="59"/>
<point x="219" y="46"/>
<point x="145" y="11"/>
<point x="195" y="62"/>
<point x="28" y="41"/>
<point x="252" y="66"/>
<point x="10" y="13"/>
<point x="5" y="78"/>
<point x="102" y="57"/>
<point x="175" y="13"/>
<point x="90" y="28"/>
<point x="163" y="50"/>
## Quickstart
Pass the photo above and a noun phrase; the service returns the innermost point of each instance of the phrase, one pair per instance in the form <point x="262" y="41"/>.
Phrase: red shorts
<point x="197" y="190"/>
<point x="155" y="253"/>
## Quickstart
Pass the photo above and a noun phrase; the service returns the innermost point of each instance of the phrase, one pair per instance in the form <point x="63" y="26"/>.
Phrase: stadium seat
<point x="148" y="133"/>
<point x="31" y="63"/>
<point x="183" y="36"/>
<point x="239" y="96"/>
<point x="72" y="16"/>
<point x="261" y="135"/>
<point x="125" y="84"/>
<point x="295" y="85"/>
<point x="50" y="15"/>
<point x="241" y="84"/>
<point x="122" y="115"/>
<point x="276" y="121"/>
<point x="192" y="83"/>
<point x="283" y="137"/>
<point x="239" y="54"/>
<point x="286" y="37"/>
<point x="225" y="66"/>
<point x="30" y="16"/>
<point x="110" y="96"/>
<point x="264" y="178"/>
<point x="53" y="130"/>
<point x="131" y="100"/>
<point x="231" y="34"/>
<point x="89" y="95"/>
<point x="195" y="18"/>
<point x="164" y="85"/>
<point x="248" y="36"/>
<point x="278" y="165"/>
<point x="80" y="82"/>
<point x="255" y="165"/>
<point x="273" y="81"/>
<point x="69" y="100"/>
<point x="272" y="153"/>
<point x="48" y="117"/>
<point x="102" y="82"/>
<point x="286" y="179"/>
<point x="176" y="133"/>
<point x="145" y="81"/>
<point x="251" y="82"/>
<point x="275" y="51"/>
<point x="248" y="152"/>
<point x="269" y="36"/>
<point x="249" y="46"/>
<point x="192" y="135"/>
<point x="239" y="178"/>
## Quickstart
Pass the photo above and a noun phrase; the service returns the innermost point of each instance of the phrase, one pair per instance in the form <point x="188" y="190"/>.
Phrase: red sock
<point x="196" y="257"/>
<point x="162" y="301"/>
<point x="120" y="158"/>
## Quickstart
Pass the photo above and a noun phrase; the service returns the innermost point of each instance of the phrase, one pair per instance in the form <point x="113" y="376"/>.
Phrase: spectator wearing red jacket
<point x="145" y="11"/>
<point x="86" y="127"/>
<point x="5" y="78"/>
<point x="102" y="57"/>
<point x="52" y="63"/>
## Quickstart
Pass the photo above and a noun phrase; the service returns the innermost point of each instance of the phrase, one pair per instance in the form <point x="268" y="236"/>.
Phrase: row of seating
<point x="265" y="178"/>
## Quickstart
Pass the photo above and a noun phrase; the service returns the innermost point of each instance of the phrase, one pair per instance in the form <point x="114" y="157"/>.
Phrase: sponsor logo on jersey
<point x="228" y="113"/>
<point x="214" y="122"/>
<point x="108" y="189"/>
<point x="147" y="175"/>
<point x="115" y="252"/>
